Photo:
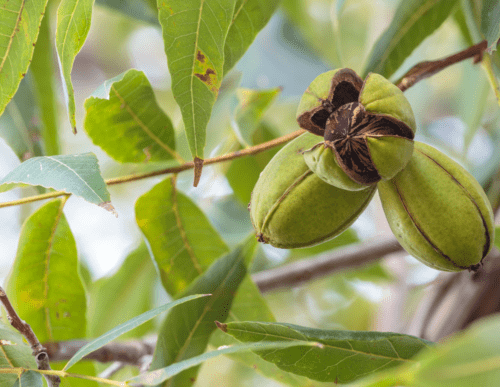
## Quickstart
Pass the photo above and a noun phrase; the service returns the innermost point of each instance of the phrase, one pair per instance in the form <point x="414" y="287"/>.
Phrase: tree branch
<point x="39" y="352"/>
<point x="426" y="69"/>
<point x="128" y="352"/>
<point x="305" y="270"/>
<point x="183" y="167"/>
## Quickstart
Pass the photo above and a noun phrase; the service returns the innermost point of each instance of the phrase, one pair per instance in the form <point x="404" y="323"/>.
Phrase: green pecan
<point x="438" y="211"/>
<point x="292" y="207"/>
<point x="367" y="126"/>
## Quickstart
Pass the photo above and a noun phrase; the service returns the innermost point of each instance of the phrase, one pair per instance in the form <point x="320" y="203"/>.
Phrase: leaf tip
<point x="109" y="207"/>
<point x="221" y="326"/>
<point x="198" y="166"/>
<point x="74" y="130"/>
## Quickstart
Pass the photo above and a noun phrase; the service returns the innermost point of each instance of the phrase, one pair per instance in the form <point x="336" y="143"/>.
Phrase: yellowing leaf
<point x="19" y="27"/>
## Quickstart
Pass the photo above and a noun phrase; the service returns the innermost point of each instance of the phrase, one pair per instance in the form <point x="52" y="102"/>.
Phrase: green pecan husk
<point x="292" y="207"/>
<point x="438" y="211"/>
<point x="367" y="126"/>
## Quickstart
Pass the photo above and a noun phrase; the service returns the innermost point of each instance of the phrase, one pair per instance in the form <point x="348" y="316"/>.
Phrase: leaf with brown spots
<point x="194" y="33"/>
<point x="44" y="286"/>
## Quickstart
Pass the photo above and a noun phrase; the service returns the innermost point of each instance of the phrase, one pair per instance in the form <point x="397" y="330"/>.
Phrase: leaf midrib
<point x="67" y="31"/>
<point x="191" y="89"/>
<point x="182" y="231"/>
<point x="11" y="39"/>
<point x="47" y="264"/>
<point x="6" y="357"/>
<point x="144" y="127"/>
<point x="77" y="175"/>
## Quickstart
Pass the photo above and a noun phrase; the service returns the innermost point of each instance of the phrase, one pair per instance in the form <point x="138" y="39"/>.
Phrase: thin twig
<point x="184" y="167"/>
<point x="305" y="270"/>
<point x="39" y="352"/>
<point x="426" y="69"/>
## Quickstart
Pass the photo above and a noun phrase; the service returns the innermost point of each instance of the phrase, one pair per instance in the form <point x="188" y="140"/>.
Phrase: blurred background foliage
<point x="455" y="110"/>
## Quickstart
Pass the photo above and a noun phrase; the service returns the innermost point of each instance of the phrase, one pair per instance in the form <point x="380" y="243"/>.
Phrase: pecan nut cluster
<point x="314" y="188"/>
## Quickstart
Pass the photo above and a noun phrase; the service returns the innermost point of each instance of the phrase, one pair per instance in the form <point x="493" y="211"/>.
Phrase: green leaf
<point x="17" y="124"/>
<point x="126" y="327"/>
<point x="75" y="174"/>
<point x="125" y="294"/>
<point x="42" y="70"/>
<point x="472" y="14"/>
<point x="186" y="330"/>
<point x="14" y="352"/>
<point x="461" y="22"/>
<point x="194" y="32"/>
<point x="413" y="22"/>
<point x="29" y="379"/>
<point x="250" y="16"/>
<point x="181" y="239"/>
<point x="248" y="305"/>
<point x="124" y="119"/>
<point x="345" y="356"/>
<point x="44" y="285"/>
<point x="469" y="358"/>
<point x="252" y="106"/>
<point x="159" y="376"/>
<point x="497" y="237"/>
<point x="73" y="24"/>
<point x="474" y="91"/>
<point x="19" y="27"/>
<point x="490" y="22"/>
